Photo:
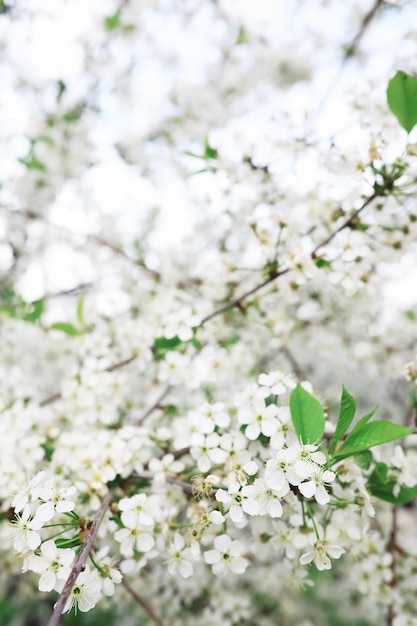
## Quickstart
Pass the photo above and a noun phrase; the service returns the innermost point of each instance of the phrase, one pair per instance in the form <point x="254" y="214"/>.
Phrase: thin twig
<point x="274" y="275"/>
<point x="145" y="606"/>
<point x="235" y="303"/>
<point x="80" y="562"/>
<point x="154" y="406"/>
<point x="112" y="368"/>
<point x="97" y="239"/>
<point x="352" y="48"/>
<point x="120" y="364"/>
<point x="350" y="51"/>
<point x="345" y="224"/>
<point x="296" y="368"/>
<point x="51" y="399"/>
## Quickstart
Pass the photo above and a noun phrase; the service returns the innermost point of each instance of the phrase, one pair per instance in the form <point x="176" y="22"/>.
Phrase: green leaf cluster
<point x="308" y="418"/>
<point x="381" y="486"/>
<point x="27" y="311"/>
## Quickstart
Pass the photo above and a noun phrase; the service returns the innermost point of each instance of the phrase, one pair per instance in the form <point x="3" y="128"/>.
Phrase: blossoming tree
<point x="206" y="210"/>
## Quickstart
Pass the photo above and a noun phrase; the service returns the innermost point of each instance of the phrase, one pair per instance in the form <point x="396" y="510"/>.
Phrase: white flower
<point x="322" y="554"/>
<point x="180" y="557"/>
<point x="55" y="500"/>
<point x="305" y="458"/>
<point x="109" y="575"/>
<point x="86" y="591"/>
<point x="54" y="564"/>
<point x="134" y="535"/>
<point x="268" y="502"/>
<point x="23" y="530"/>
<point x="315" y="486"/>
<point x="262" y="421"/>
<point x="239" y="502"/>
<point x="141" y="504"/>
<point x="165" y="467"/>
<point x="28" y="491"/>
<point x="279" y="473"/>
<point x="277" y="382"/>
<point x="226" y="556"/>
<point x="208" y="452"/>
<point x="279" y="438"/>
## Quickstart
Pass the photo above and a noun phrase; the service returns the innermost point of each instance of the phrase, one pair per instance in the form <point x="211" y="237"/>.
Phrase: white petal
<point x="239" y="565"/>
<point x="47" y="581"/>
<point x="308" y="489"/>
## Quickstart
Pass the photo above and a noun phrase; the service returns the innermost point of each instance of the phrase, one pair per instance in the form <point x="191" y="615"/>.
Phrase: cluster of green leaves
<point x="17" y="308"/>
<point x="308" y="418"/>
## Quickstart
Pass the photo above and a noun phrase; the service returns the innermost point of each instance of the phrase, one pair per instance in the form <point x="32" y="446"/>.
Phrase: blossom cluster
<point x="195" y="199"/>
<point x="190" y="505"/>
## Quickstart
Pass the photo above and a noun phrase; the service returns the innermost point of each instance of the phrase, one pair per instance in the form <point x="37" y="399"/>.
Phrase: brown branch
<point x="273" y="275"/>
<point x="120" y="252"/>
<point x="120" y="364"/>
<point x="155" y="405"/>
<point x="351" y="50"/>
<point x="296" y="368"/>
<point x="236" y="303"/>
<point x="80" y="562"/>
<point x="51" y="399"/>
<point x="145" y="606"/>
<point x="98" y="239"/>
<point x="345" y="224"/>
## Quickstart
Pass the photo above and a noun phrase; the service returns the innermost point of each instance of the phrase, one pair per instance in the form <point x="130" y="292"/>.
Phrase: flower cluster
<point x="272" y="489"/>
<point x="204" y="206"/>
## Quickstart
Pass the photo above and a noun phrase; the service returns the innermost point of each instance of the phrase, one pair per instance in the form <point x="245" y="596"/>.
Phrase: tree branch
<point x="235" y="303"/>
<point x="145" y="606"/>
<point x="272" y="276"/>
<point x="351" y="50"/>
<point x="154" y="406"/>
<point x="79" y="562"/>
<point x="345" y="224"/>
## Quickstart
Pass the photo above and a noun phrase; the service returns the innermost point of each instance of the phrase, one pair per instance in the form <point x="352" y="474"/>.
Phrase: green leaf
<point x="208" y="154"/>
<point x="364" y="459"/>
<point x="402" y="99"/>
<point x="346" y="415"/>
<point x="230" y="341"/>
<point x="61" y="88"/>
<point x="73" y="115"/>
<point x="66" y="327"/>
<point x="112" y="22"/>
<point x="33" y="311"/>
<point x="162" y="343"/>
<point x="364" y="420"/>
<point x="321" y="263"/>
<point x="382" y="487"/>
<point x="33" y="163"/>
<point x="61" y="542"/>
<point x="410" y="315"/>
<point x="307" y="415"/>
<point x="370" y="435"/>
<point x="241" y="36"/>
<point x="80" y="311"/>
<point x="209" y="151"/>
